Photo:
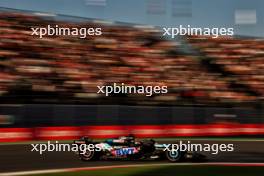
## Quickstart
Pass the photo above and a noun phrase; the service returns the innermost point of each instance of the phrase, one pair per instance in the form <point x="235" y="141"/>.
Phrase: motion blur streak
<point x="124" y="166"/>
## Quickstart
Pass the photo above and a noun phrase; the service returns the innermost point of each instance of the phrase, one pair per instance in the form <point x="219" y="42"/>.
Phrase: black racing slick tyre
<point x="88" y="156"/>
<point x="174" y="156"/>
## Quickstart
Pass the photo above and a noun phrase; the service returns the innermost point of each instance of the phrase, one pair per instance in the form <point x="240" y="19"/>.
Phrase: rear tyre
<point x="88" y="156"/>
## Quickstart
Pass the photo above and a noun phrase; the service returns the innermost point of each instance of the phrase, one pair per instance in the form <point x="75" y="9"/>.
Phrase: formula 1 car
<point x="126" y="148"/>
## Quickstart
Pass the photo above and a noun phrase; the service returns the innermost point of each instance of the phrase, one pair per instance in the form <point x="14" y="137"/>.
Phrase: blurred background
<point x="48" y="86"/>
<point x="52" y="82"/>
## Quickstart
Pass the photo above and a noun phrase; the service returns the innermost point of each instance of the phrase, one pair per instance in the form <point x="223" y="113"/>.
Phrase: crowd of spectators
<point x="68" y="69"/>
<point x="241" y="59"/>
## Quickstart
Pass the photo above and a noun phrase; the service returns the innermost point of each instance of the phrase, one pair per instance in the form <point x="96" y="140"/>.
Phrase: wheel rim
<point x="173" y="155"/>
<point x="88" y="155"/>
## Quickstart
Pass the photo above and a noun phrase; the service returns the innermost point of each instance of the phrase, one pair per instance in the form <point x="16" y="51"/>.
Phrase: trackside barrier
<point x="57" y="133"/>
<point x="71" y="132"/>
<point x="16" y="134"/>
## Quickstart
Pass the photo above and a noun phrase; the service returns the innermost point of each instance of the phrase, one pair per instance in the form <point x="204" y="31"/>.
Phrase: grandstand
<point x="241" y="60"/>
<point x="67" y="69"/>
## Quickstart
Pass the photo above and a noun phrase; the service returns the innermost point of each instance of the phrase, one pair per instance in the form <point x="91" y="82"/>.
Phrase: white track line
<point x="47" y="171"/>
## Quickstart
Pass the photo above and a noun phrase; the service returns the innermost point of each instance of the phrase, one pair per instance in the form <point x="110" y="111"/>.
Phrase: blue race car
<point x="127" y="148"/>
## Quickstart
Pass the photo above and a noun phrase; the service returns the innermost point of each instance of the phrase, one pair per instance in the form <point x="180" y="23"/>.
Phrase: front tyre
<point x="174" y="156"/>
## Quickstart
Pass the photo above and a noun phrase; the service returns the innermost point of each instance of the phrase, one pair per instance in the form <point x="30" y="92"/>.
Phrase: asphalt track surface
<point x="20" y="158"/>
